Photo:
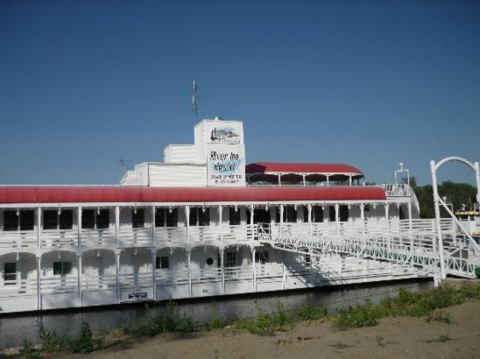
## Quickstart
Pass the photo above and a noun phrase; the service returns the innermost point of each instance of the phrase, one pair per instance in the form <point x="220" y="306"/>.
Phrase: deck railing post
<point x="39" y="227"/>
<point x="254" y="270"/>
<point x="222" y="268"/>
<point x="362" y="216"/>
<point x="436" y="196"/>
<point x="189" y="275"/>
<point x="154" y="273"/>
<point x="117" y="272"/>
<point x="79" y="225"/>
<point x="187" y="222"/>
<point x="337" y="219"/>
<point x="117" y="225"/>
<point x="154" y="242"/>
<point x="220" y="222"/>
<point x="39" y="279"/>
<point x="79" y="278"/>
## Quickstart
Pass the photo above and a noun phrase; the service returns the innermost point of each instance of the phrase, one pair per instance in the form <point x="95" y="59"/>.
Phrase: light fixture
<point x="135" y="252"/>
<point x="18" y="256"/>
<point x="135" y="209"/>
<point x="98" y="253"/>
<point x="59" y="210"/>
<point x="236" y="208"/>
<point x="98" y="210"/>
<point x="18" y="212"/>
<point x="170" y="210"/>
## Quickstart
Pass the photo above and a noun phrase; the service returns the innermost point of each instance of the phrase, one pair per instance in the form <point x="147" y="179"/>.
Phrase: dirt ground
<point x="392" y="338"/>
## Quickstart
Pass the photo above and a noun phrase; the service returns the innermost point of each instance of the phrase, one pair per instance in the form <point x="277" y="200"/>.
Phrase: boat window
<point x="93" y="218"/>
<point x="165" y="218"/>
<point x="317" y="214"/>
<point x="289" y="214"/>
<point x="53" y="220"/>
<point x="10" y="272"/>
<point x="234" y="216"/>
<point x="199" y="217"/>
<point x="172" y="218"/>
<point x="332" y="213"/>
<point x="62" y="268"/>
<point x="231" y="259"/>
<point x="10" y="221"/>
<point x="261" y="257"/>
<point x="138" y="218"/>
<point x="162" y="262"/>
<point x="344" y="213"/>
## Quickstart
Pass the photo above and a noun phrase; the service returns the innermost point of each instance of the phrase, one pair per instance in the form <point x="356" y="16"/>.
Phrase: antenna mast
<point x="195" y="99"/>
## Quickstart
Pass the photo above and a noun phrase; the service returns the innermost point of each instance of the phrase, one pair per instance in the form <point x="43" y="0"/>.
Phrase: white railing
<point x="170" y="234"/>
<point x="166" y="277"/>
<point x="204" y="233"/>
<point x="238" y="273"/>
<point x="16" y="239"/>
<point x="15" y="288"/>
<point x="59" y="238"/>
<point x="129" y="237"/>
<point x="269" y="270"/>
<point x="396" y="189"/>
<point x="206" y="275"/>
<point x="239" y="233"/>
<point x="98" y="237"/>
<point x="132" y="280"/>
<point x="102" y="282"/>
<point x="58" y="284"/>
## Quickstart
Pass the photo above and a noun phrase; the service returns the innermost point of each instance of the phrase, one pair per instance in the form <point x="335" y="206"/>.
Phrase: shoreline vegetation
<point x="428" y="305"/>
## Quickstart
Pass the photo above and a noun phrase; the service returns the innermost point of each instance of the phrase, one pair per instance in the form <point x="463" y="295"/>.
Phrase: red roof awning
<point x="12" y="195"/>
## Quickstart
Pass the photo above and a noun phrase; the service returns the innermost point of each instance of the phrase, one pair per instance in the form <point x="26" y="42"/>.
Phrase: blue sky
<point x="368" y="83"/>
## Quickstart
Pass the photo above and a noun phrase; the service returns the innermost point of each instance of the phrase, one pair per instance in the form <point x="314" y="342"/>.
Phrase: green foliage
<point x="311" y="313"/>
<point x="267" y="323"/>
<point x="54" y="342"/>
<point x="357" y="316"/>
<point x="167" y="322"/>
<point x="439" y="316"/>
<point x="216" y="322"/>
<point x="457" y="194"/>
<point x="28" y="351"/>
<point x="380" y="341"/>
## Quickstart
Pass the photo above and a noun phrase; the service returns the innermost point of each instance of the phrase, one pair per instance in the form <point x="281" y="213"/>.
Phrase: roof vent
<point x="218" y="118"/>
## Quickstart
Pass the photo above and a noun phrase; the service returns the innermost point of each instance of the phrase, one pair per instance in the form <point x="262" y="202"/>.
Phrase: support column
<point x="309" y="217"/>
<point x="410" y="225"/>
<point x="387" y="221"/>
<point x="154" y="273"/>
<point x="443" y="274"/>
<point x="220" y="216"/>
<point x="39" y="227"/>
<point x="154" y="241"/>
<point x="304" y="184"/>
<point x="79" y="225"/>
<point x="284" y="272"/>
<point x="252" y="208"/>
<point x="189" y="276"/>
<point x="117" y="272"/>
<point x="362" y="216"/>
<point x="312" y="272"/>
<point x="254" y="270"/>
<point x="39" y="279"/>
<point x="328" y="180"/>
<point x="350" y="179"/>
<point x="279" y="180"/>
<point x="281" y="213"/>
<point x="222" y="268"/>
<point x="187" y="222"/>
<point x="337" y="217"/>
<point x="79" y="278"/>
<point x="117" y="225"/>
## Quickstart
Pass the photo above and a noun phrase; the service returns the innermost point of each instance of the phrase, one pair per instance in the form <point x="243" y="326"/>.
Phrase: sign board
<point x="225" y="165"/>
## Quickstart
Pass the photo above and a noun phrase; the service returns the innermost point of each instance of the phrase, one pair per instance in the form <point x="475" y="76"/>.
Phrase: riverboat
<point x="204" y="223"/>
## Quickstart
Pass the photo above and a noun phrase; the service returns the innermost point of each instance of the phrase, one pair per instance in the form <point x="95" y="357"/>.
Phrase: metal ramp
<point x="417" y="247"/>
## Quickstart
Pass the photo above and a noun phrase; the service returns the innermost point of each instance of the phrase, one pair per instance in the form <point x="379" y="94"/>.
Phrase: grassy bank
<point x="428" y="305"/>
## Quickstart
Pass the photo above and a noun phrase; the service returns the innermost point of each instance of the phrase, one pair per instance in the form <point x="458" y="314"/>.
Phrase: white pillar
<point x="79" y="225"/>
<point x="154" y="273"/>
<point x="328" y="180"/>
<point x="284" y="272"/>
<point x="387" y="206"/>
<point x="222" y="269"/>
<point x="254" y="270"/>
<point x="220" y="216"/>
<point x="79" y="278"/>
<point x="117" y="272"/>
<point x="189" y="276"/>
<point x="304" y="184"/>
<point x="309" y="209"/>
<point x="281" y="213"/>
<point x="437" y="217"/>
<point x="337" y="219"/>
<point x="410" y="224"/>
<point x="154" y="242"/>
<point x="187" y="220"/>
<point x="362" y="216"/>
<point x="117" y="225"/>
<point x="350" y="179"/>
<point x="39" y="227"/>
<point x="39" y="279"/>
<point x="279" y="180"/>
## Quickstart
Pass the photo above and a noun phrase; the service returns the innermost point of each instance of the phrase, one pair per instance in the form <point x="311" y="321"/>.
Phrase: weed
<point x="267" y="323"/>
<point x="380" y="341"/>
<point x="28" y="351"/>
<point x="357" y="316"/>
<point x="442" y="338"/>
<point x="216" y="322"/>
<point x="439" y="316"/>
<point x="339" y="346"/>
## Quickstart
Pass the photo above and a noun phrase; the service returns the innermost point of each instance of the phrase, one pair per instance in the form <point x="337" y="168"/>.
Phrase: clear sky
<point x="368" y="83"/>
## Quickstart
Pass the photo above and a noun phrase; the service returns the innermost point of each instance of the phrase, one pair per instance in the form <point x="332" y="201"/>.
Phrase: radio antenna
<point x="195" y="99"/>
